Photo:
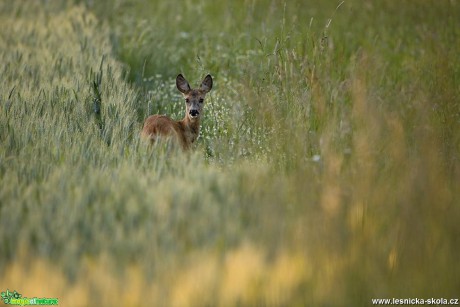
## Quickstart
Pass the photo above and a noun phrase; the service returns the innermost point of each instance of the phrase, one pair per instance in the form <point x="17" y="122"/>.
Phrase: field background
<point x="327" y="171"/>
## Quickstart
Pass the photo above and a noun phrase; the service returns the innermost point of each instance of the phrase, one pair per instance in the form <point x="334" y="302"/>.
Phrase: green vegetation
<point x="327" y="170"/>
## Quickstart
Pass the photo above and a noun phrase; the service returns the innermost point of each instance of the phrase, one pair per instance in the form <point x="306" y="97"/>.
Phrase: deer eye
<point x="201" y="100"/>
<point x="187" y="100"/>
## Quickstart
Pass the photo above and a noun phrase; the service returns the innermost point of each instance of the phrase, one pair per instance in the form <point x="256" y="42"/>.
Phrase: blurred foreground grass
<point x="327" y="172"/>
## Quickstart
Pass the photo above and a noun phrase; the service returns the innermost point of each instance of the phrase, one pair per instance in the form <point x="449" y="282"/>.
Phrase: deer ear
<point x="182" y="84"/>
<point x="206" y="85"/>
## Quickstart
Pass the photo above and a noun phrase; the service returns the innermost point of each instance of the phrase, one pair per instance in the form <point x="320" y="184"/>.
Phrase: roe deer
<point x="185" y="131"/>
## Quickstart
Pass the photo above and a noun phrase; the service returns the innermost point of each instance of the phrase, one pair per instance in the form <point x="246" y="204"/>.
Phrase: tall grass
<point x="326" y="172"/>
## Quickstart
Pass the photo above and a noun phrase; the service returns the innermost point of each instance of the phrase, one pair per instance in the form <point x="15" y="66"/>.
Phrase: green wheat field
<point x="327" y="172"/>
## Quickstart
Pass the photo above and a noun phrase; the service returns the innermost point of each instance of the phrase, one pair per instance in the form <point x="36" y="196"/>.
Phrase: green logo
<point x="15" y="298"/>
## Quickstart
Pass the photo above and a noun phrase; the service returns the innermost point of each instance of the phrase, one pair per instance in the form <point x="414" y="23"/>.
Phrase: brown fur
<point x="185" y="131"/>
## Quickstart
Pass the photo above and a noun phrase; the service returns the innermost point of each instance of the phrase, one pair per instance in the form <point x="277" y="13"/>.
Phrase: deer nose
<point x="194" y="113"/>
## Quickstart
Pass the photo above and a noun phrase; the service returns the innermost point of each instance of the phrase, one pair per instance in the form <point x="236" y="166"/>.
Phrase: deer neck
<point x="191" y="128"/>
